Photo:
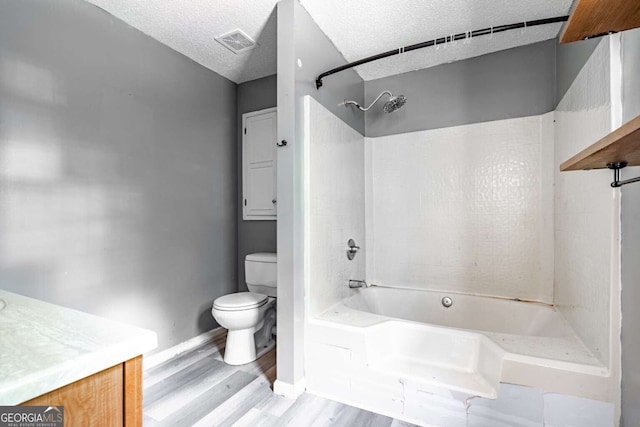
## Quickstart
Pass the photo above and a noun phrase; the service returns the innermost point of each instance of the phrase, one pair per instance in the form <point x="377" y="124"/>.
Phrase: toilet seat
<point x="240" y="301"/>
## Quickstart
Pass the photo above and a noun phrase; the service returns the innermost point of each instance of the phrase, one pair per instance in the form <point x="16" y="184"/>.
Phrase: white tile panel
<point x="584" y="211"/>
<point x="336" y="211"/>
<point x="463" y="209"/>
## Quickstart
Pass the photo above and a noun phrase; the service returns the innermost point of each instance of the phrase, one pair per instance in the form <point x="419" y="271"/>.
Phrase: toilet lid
<point x="240" y="301"/>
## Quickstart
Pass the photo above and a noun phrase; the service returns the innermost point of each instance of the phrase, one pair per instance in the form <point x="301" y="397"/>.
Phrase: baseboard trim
<point x="156" y="359"/>
<point x="288" y="390"/>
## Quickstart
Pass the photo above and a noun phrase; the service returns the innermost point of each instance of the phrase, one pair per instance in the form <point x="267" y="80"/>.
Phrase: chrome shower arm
<point x="371" y="105"/>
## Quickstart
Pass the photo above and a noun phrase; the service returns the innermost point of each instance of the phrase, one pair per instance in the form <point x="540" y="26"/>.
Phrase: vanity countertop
<point x="44" y="346"/>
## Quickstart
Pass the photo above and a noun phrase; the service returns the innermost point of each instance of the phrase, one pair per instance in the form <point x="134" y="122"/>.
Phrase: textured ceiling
<point x="190" y="27"/>
<point x="360" y="28"/>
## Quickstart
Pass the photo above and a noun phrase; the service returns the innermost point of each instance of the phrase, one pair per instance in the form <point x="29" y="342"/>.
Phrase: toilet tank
<point x="261" y="273"/>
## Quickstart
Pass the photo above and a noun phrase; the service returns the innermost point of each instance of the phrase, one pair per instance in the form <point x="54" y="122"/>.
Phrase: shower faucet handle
<point x="352" y="249"/>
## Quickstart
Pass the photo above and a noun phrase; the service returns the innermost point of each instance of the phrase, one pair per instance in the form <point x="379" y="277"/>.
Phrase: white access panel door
<point x="259" y="165"/>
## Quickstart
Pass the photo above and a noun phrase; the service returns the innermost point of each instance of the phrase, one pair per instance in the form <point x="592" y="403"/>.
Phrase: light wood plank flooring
<point x="197" y="388"/>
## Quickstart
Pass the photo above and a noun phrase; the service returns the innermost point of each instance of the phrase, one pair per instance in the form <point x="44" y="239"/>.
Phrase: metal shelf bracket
<point x="616" y="166"/>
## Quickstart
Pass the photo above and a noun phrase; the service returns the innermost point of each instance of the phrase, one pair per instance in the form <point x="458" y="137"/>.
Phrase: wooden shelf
<point x="594" y="17"/>
<point x="623" y="144"/>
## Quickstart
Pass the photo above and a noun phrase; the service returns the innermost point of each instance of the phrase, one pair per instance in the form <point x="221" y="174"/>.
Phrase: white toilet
<point x="250" y="317"/>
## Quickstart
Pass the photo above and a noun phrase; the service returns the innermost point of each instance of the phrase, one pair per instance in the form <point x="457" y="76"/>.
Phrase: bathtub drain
<point x="447" y="302"/>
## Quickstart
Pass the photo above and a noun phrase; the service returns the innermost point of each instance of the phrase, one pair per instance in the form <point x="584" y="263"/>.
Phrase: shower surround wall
<point x="465" y="209"/>
<point x="336" y="205"/>
<point x="587" y="211"/>
<point x="459" y="171"/>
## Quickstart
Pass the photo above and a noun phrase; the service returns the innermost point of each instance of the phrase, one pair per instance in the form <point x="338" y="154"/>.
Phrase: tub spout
<point x="358" y="284"/>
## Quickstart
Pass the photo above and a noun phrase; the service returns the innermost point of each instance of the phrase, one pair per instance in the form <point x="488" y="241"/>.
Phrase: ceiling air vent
<point x="237" y="41"/>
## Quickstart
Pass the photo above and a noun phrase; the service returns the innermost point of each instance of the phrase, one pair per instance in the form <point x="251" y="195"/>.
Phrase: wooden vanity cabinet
<point x="112" y="397"/>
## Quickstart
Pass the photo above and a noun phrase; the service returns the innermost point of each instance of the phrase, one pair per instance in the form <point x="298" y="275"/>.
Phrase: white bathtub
<point x="477" y="313"/>
<point x="389" y="349"/>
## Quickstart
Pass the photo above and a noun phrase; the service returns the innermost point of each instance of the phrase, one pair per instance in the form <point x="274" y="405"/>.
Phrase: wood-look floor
<point x="197" y="388"/>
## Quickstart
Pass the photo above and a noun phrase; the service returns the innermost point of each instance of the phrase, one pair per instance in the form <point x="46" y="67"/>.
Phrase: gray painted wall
<point x="570" y="58"/>
<point x="253" y="236"/>
<point x="517" y="82"/>
<point x="117" y="170"/>
<point x="316" y="54"/>
<point x="630" y="241"/>
<point x="630" y="74"/>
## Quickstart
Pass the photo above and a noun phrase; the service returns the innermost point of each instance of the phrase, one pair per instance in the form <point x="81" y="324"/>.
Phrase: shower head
<point x="393" y="104"/>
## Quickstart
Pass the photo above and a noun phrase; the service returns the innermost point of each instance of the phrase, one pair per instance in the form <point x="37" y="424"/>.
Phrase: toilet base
<point x="235" y="358"/>
<point x="246" y="345"/>
<point x="240" y="347"/>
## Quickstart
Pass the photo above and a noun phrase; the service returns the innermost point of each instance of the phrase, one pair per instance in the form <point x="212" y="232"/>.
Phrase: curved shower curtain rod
<point x="441" y="40"/>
